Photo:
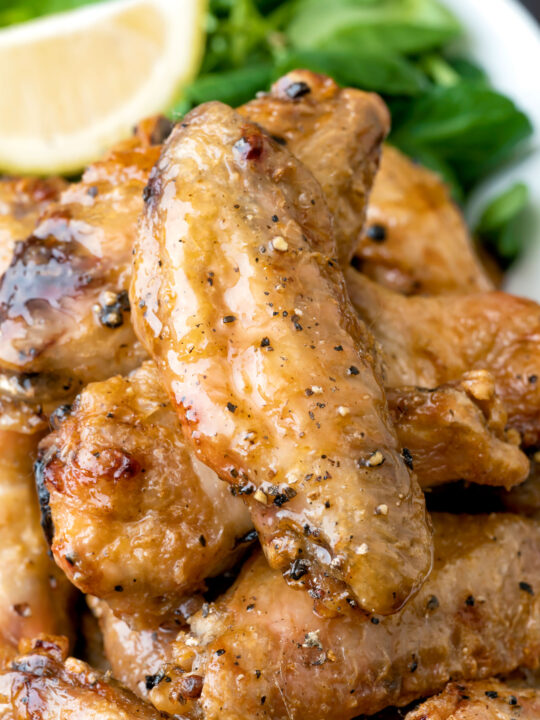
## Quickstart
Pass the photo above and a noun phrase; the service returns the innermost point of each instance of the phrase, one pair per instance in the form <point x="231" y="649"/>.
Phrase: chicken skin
<point x="35" y="597"/>
<point x="458" y="432"/>
<point x="416" y="241"/>
<point x="261" y="652"/>
<point x="238" y="300"/>
<point x="430" y="341"/>
<point x="136" y="657"/>
<point x="63" y="299"/>
<point x="481" y="700"/>
<point x="22" y="200"/>
<point x="44" y="684"/>
<point x="337" y="133"/>
<point x="145" y="556"/>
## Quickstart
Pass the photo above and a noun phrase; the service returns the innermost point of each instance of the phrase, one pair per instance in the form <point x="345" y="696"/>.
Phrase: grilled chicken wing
<point x="237" y="298"/>
<point x="44" y="684"/>
<point x="133" y="517"/>
<point x="136" y="657"/>
<point x="430" y="341"/>
<point x="261" y="652"/>
<point x="415" y="239"/>
<point x="337" y="133"/>
<point x="22" y="200"/>
<point x="63" y="298"/>
<point x="458" y="432"/>
<point x="34" y="595"/>
<point x="481" y="700"/>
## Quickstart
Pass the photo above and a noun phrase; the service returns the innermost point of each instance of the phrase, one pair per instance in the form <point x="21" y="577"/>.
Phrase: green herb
<point x="16" y="11"/>
<point x="498" y="228"/>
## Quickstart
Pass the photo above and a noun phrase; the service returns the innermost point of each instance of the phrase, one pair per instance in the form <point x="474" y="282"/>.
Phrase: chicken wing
<point x="63" y="298"/>
<point x="136" y="657"/>
<point x="337" y="133"/>
<point x="148" y="555"/>
<point x="35" y="597"/>
<point x="430" y="341"/>
<point x="481" y="700"/>
<point x="415" y="239"/>
<point x="261" y="652"/>
<point x="237" y="298"/>
<point x="44" y="684"/>
<point x="458" y="431"/>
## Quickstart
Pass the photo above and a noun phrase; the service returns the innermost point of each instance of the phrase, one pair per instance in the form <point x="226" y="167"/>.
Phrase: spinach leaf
<point x="498" y="228"/>
<point x="15" y="11"/>
<point x="369" y="69"/>
<point x="406" y="26"/>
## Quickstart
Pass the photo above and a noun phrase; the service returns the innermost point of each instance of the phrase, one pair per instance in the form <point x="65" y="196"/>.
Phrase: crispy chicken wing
<point x="261" y="652"/>
<point x="481" y="700"/>
<point x="415" y="240"/>
<point x="22" y="200"/>
<point x="35" y="597"/>
<point x="44" y="684"/>
<point x="337" y="133"/>
<point x="136" y="657"/>
<point x="430" y="341"/>
<point x="237" y="298"/>
<point x="63" y="299"/>
<point x="133" y="516"/>
<point x="458" y="432"/>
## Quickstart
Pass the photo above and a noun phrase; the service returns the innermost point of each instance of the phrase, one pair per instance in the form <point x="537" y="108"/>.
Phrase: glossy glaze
<point x="458" y="432"/>
<point x="434" y="340"/>
<point x="35" y="597"/>
<point x="237" y="298"/>
<point x="337" y="133"/>
<point x="44" y="684"/>
<point x="477" y="615"/>
<point x="64" y="310"/>
<point x="134" y="518"/>
<point x="416" y="241"/>
<point x="482" y="700"/>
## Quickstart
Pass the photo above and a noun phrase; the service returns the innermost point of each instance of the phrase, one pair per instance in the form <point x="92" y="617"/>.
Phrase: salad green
<point x="444" y="111"/>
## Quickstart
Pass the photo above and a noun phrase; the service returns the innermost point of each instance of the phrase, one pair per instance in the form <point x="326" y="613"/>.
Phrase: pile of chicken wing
<point x="284" y="432"/>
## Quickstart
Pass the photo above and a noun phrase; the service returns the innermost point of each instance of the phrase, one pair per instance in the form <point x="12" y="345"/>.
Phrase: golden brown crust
<point x="134" y="518"/>
<point x="237" y="298"/>
<point x="428" y="341"/>
<point x="260" y="652"/>
<point x="458" y="432"/>
<point x="45" y="684"/>
<point x="337" y="133"/>
<point x="482" y="700"/>
<point x="416" y="241"/>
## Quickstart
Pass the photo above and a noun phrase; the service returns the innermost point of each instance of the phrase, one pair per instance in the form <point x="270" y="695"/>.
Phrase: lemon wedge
<point x="74" y="83"/>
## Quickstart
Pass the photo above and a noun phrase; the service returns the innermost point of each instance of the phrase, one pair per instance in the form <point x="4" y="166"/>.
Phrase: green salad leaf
<point x="498" y="227"/>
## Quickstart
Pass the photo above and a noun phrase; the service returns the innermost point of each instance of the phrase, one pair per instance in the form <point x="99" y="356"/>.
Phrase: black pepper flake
<point x="229" y="319"/>
<point x="92" y="191"/>
<point x="533" y="378"/>
<point x="296" y="323"/>
<point x="118" y="588"/>
<point x="432" y="603"/>
<point x="152" y="680"/>
<point x="282" y="498"/>
<point x="275" y="218"/>
<point x="202" y="540"/>
<point x="327" y="503"/>
<point x="220" y="652"/>
<point x="375" y="620"/>
<point x="492" y="694"/>
<point x="353" y="370"/>
<point x="469" y="601"/>
<point x="376" y="232"/>
<point x="250" y="607"/>
<point x="258" y="674"/>
<point x="407" y="458"/>
<point x="512" y="700"/>
<point x="263" y="699"/>
<point x="265" y="342"/>
<point x="526" y="587"/>
<point x="309" y="392"/>
<point x="231" y="407"/>
<point x="339" y="348"/>
<point x="299" y="568"/>
<point x="248" y="537"/>
<point x="297" y="90"/>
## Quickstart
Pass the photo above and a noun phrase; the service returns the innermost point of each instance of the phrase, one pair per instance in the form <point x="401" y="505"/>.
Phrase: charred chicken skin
<point x="132" y="516"/>
<point x="239" y="301"/>
<point x="261" y="652"/>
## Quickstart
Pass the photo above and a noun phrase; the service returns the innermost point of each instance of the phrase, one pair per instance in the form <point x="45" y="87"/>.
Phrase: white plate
<point x="505" y="40"/>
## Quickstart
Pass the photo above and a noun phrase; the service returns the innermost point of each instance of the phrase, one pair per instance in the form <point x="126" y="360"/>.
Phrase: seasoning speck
<point x="376" y="232"/>
<point x="353" y="370"/>
<point x="261" y="497"/>
<point x="526" y="587"/>
<point x="229" y="318"/>
<point x="376" y="458"/>
<point x="363" y="549"/>
<point x="343" y="411"/>
<point x="231" y="407"/>
<point x="279" y="243"/>
<point x="381" y="510"/>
